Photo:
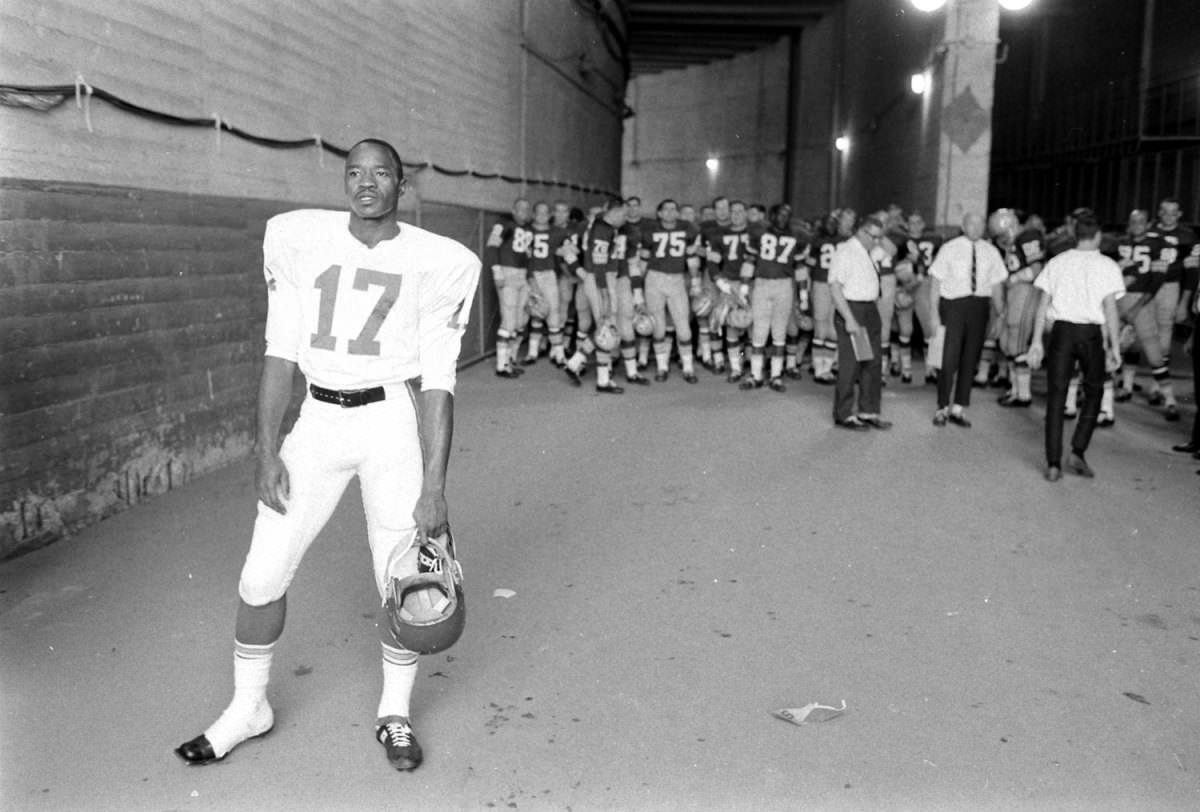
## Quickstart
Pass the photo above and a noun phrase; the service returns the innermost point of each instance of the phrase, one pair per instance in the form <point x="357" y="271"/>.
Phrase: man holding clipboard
<point x="854" y="288"/>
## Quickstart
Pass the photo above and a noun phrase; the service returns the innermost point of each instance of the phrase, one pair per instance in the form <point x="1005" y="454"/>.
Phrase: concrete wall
<point x="734" y="110"/>
<point x="130" y="259"/>
<point x="854" y="81"/>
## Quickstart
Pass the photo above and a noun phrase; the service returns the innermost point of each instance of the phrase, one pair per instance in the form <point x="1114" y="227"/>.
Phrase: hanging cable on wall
<point x="44" y="98"/>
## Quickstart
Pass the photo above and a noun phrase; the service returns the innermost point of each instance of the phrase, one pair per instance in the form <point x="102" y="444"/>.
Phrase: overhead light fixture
<point x="1016" y="5"/>
<point x="918" y="83"/>
<point x="842" y="143"/>
<point x="927" y="5"/>
<point x="713" y="164"/>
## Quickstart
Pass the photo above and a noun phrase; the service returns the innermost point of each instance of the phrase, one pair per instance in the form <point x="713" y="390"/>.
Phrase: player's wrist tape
<point x="347" y="399"/>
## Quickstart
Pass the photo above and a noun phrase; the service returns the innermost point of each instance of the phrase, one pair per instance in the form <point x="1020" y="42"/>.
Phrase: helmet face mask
<point x="427" y="611"/>
<point x="607" y="338"/>
<point x="643" y="324"/>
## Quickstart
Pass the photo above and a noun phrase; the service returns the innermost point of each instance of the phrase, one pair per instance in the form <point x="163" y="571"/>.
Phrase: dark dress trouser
<point x="867" y="374"/>
<point x="1071" y="343"/>
<point x="966" y="322"/>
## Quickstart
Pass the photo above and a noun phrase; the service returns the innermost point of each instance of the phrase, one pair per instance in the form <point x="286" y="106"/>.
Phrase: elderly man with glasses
<point x="854" y="288"/>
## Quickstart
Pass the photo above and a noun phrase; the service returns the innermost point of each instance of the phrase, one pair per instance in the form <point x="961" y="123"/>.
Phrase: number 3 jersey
<point x="353" y="317"/>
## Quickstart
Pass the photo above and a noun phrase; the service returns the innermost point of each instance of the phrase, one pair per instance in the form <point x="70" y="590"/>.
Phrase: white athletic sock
<point x="777" y="364"/>
<point x="249" y="713"/>
<point x="686" y="360"/>
<point x="756" y="364"/>
<point x="399" y="675"/>
<point x="1022" y="377"/>
<point x="1106" y="399"/>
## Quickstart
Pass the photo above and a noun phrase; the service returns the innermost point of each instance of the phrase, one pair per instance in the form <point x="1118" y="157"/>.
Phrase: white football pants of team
<point x="328" y="446"/>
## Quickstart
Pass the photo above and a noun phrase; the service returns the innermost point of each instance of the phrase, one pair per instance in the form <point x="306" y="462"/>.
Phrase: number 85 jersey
<point x="353" y="317"/>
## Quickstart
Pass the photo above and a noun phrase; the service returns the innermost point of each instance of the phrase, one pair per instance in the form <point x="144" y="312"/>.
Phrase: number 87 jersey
<point x="353" y="317"/>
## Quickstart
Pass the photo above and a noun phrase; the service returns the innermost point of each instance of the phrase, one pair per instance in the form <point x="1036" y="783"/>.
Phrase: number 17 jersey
<point x="353" y="317"/>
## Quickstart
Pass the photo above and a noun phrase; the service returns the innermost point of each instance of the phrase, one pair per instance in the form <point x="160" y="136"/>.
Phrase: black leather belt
<point x="347" y="400"/>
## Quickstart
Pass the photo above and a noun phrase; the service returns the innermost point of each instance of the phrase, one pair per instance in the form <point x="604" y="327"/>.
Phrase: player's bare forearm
<point x="437" y="431"/>
<point x="274" y="395"/>
<point x="843" y="306"/>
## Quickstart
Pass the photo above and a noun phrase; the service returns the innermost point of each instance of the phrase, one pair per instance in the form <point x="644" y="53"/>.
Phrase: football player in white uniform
<point x="362" y="305"/>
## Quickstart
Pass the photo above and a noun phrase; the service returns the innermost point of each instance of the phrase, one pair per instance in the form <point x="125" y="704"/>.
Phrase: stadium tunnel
<point x="147" y="143"/>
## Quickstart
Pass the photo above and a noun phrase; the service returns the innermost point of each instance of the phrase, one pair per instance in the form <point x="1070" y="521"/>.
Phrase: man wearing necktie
<point x="966" y="288"/>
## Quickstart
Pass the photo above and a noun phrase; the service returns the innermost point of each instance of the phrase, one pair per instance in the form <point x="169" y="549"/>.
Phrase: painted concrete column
<point x="966" y="82"/>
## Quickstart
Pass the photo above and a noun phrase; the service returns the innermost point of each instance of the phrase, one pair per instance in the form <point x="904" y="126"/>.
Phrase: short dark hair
<point x="386" y="147"/>
<point x="629" y="201"/>
<point x="1086" y="227"/>
<point x="869" y="220"/>
<point x="664" y="202"/>
<point x="614" y="202"/>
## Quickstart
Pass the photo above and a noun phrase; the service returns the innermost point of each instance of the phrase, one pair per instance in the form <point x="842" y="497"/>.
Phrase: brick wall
<point x="131" y="326"/>
<point x="131" y="303"/>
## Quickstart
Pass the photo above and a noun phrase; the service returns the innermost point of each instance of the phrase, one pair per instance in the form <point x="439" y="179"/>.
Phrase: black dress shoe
<point x="1011" y="401"/>
<point x="876" y="422"/>
<point x="960" y="419"/>
<point x="1189" y="447"/>
<point x="940" y="417"/>
<point x="1079" y="465"/>
<point x="1053" y="473"/>
<point x="852" y="423"/>
<point x="610" y="389"/>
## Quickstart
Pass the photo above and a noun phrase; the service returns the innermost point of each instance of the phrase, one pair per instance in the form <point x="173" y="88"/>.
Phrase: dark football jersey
<point x="776" y="252"/>
<point x="599" y="245"/>
<point x="1136" y="255"/>
<point x="1178" y="244"/>
<point x="543" y="246"/>
<point x="508" y="244"/>
<point x="919" y="251"/>
<point x="820" y="257"/>
<point x="666" y="249"/>
<point x="1025" y="251"/>
<point x="733" y="245"/>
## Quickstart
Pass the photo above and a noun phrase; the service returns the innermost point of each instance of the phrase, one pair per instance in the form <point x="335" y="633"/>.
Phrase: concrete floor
<point x="686" y="559"/>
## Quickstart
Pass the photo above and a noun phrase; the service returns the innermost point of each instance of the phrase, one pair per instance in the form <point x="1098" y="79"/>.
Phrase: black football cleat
<point x="575" y="377"/>
<point x="776" y="385"/>
<point x="397" y="737"/>
<point x="610" y="389"/>
<point x="639" y="380"/>
<point x="508" y="372"/>
<point x="690" y="378"/>
<point x="199" y="751"/>
<point x="750" y="383"/>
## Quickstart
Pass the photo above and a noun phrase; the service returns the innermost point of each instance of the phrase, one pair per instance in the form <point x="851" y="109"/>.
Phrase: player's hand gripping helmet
<point x="904" y="299"/>
<point x="427" y="611"/>
<point x="607" y="338"/>
<point x="643" y="323"/>
<point x="702" y="305"/>
<point x="537" y="306"/>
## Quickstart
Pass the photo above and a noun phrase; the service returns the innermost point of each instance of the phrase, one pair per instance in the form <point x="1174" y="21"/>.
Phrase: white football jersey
<point x="353" y="317"/>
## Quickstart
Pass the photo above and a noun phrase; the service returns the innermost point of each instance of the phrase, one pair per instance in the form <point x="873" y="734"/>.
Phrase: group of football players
<point x="743" y="290"/>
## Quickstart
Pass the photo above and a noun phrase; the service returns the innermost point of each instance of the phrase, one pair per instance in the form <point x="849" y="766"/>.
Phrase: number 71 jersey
<point x="353" y="317"/>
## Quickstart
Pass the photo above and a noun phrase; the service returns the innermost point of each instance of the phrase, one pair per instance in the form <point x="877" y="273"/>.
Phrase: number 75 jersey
<point x="353" y="317"/>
